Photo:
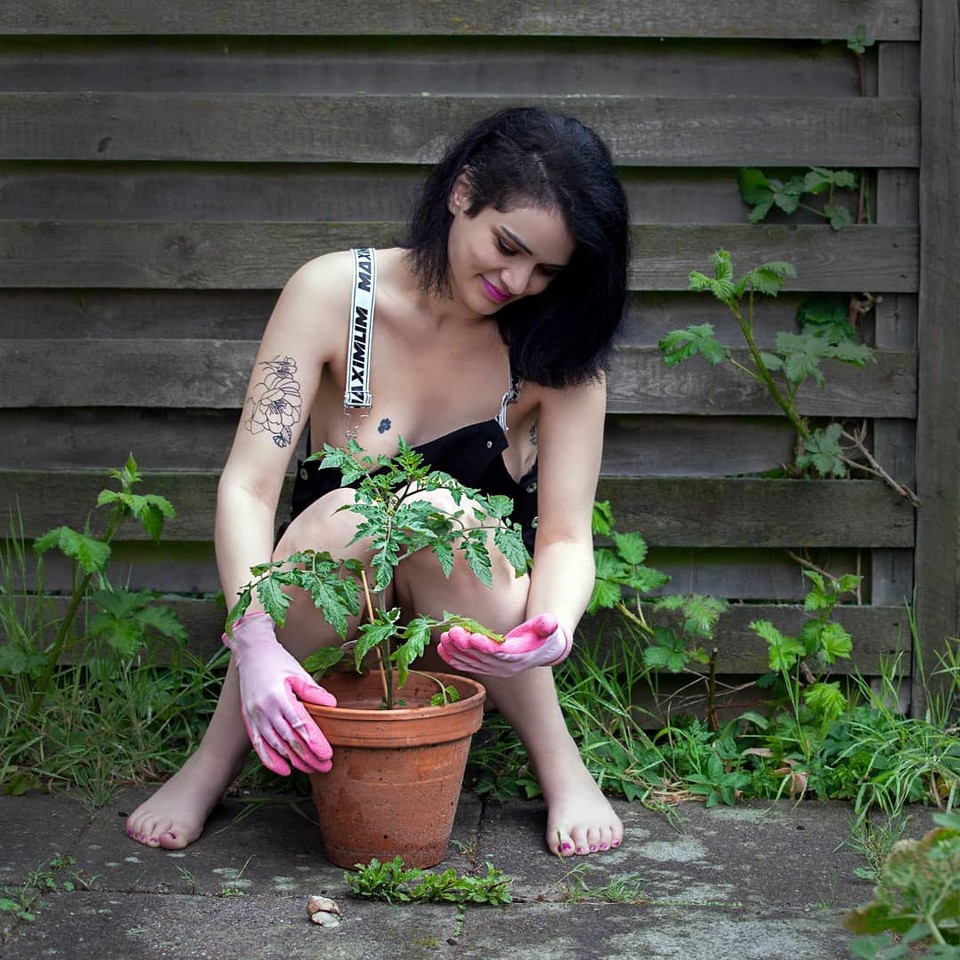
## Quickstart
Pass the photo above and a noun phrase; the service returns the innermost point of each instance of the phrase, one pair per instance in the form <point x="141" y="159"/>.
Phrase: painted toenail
<point x="567" y="846"/>
<point x="592" y="848"/>
<point x="581" y="849"/>
<point x="616" y="843"/>
<point x="603" y="846"/>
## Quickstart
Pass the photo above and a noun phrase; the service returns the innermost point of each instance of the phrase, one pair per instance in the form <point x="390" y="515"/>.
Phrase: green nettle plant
<point x="398" y="522"/>
<point x="824" y="333"/>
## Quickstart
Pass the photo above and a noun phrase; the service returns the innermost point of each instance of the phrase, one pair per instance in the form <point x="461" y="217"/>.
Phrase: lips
<point x="494" y="293"/>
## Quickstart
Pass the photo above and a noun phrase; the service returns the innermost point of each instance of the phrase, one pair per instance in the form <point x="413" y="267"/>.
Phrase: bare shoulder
<point x="312" y="309"/>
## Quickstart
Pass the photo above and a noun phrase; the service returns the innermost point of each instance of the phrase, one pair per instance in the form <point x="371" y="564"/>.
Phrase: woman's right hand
<point x="272" y="684"/>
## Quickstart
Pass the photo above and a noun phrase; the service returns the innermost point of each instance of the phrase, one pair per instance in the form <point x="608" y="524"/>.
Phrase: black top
<point x="471" y="454"/>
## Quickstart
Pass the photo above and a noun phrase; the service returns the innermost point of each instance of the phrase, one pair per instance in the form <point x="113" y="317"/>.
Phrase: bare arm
<point x="570" y="444"/>
<point x="301" y="337"/>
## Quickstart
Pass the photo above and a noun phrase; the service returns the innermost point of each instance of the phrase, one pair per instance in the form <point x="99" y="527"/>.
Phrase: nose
<point x="516" y="278"/>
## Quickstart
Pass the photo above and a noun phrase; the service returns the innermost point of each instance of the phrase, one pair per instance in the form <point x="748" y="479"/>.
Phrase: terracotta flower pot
<point x="397" y="774"/>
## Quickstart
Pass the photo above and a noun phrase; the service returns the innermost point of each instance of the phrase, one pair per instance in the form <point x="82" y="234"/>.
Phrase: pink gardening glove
<point x="539" y="642"/>
<point x="272" y="684"/>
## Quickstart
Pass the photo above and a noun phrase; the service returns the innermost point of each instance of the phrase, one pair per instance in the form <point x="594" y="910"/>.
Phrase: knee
<point x="324" y="525"/>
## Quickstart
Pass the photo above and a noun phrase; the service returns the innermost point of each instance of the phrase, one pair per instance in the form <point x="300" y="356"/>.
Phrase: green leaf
<point x="679" y="345"/>
<point x="602" y="521"/>
<point x="754" y="186"/>
<point x="823" y="452"/>
<point x="826" y="317"/>
<point x="768" y="277"/>
<point x="475" y="551"/>
<point x="835" y="643"/>
<point x="509" y="541"/>
<point x="860" y="41"/>
<point x="783" y="651"/>
<point x="383" y="629"/>
<point x="275" y="601"/>
<point x="413" y="640"/>
<point x="606" y="595"/>
<point x="631" y="547"/>
<point x="320" y="661"/>
<point x="91" y="554"/>
<point x="17" y="660"/>
<point x="825" y="700"/>
<point x="837" y="216"/>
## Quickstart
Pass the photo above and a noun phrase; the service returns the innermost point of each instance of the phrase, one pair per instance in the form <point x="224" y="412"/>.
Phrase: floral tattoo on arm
<point x="274" y="403"/>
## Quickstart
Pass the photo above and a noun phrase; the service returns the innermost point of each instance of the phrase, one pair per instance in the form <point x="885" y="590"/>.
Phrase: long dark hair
<point x="529" y="156"/>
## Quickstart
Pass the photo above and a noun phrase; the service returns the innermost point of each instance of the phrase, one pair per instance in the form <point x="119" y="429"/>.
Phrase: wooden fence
<point x="165" y="167"/>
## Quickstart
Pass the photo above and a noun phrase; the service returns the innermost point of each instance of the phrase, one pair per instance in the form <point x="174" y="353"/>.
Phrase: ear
<point x="460" y="195"/>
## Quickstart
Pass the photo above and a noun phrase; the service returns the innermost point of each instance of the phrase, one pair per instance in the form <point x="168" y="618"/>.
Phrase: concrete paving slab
<point x="772" y="854"/>
<point x="111" y="926"/>
<point x="252" y="845"/>
<point x="651" y="932"/>
<point x="754" y="881"/>
<point x="36" y="827"/>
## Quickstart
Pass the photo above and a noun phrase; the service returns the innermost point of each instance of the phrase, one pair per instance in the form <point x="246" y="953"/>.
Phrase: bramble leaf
<point x="823" y="452"/>
<point x="679" y="345"/>
<point x="92" y="554"/>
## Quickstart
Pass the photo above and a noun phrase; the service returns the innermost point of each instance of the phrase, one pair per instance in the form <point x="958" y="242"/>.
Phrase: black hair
<point x="529" y="156"/>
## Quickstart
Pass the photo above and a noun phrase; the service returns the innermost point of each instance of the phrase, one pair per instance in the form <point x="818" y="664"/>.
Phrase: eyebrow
<point x="526" y="249"/>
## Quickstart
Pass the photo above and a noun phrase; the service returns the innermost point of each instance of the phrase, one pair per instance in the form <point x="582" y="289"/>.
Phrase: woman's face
<point x="497" y="257"/>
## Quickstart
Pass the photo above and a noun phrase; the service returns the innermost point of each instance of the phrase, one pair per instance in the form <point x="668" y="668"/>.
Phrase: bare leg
<point x="580" y="819"/>
<point x="174" y="816"/>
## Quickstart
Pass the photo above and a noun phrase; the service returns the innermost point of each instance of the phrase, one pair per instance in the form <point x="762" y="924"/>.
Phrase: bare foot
<point x="174" y="816"/>
<point x="580" y="819"/>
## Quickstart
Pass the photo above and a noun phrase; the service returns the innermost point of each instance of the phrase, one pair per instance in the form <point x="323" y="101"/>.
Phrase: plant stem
<point x="386" y="676"/>
<point x="764" y="374"/>
<point x="77" y="597"/>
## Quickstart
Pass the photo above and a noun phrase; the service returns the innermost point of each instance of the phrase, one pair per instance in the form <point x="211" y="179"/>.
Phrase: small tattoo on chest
<point x="384" y="425"/>
<point x="533" y="433"/>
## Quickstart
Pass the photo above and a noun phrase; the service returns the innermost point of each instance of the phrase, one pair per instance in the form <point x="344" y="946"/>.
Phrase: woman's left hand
<point x="538" y="642"/>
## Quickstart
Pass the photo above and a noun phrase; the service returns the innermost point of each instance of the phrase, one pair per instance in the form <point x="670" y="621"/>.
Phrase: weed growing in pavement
<point x="57" y="875"/>
<point x="392" y="882"/>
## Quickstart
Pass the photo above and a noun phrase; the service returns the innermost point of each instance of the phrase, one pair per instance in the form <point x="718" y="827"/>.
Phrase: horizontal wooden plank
<point x="58" y="438"/>
<point x="645" y="131"/>
<point x="676" y="511"/>
<point x="749" y="512"/>
<point x="300" y="192"/>
<point x="202" y="374"/>
<point x="878" y="632"/>
<point x="460" y="66"/>
<point x="236" y="256"/>
<point x="886" y="19"/>
<point x="740" y="574"/>
<point x="640" y="382"/>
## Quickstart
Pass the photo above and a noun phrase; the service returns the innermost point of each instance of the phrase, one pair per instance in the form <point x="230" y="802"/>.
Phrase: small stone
<point x="323" y="911"/>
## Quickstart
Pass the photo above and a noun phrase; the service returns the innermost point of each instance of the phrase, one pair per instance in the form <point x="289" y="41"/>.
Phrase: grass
<point x="105" y="717"/>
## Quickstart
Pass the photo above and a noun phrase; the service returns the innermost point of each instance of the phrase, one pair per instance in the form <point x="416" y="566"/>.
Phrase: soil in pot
<point x="397" y="774"/>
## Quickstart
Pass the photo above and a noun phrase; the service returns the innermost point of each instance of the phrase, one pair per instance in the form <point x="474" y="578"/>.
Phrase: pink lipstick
<point x="494" y="293"/>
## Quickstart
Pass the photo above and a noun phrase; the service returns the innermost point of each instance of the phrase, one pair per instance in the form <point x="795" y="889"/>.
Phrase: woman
<point x="491" y="327"/>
